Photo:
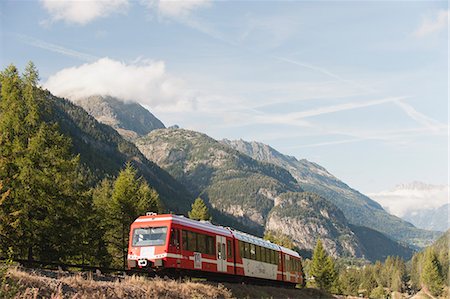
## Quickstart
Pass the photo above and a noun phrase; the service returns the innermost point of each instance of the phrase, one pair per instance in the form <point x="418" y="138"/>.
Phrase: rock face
<point x="257" y="195"/>
<point x="233" y="183"/>
<point x="130" y="119"/>
<point x="307" y="217"/>
<point x="359" y="209"/>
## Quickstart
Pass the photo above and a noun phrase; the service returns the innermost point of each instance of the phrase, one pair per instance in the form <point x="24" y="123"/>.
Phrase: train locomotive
<point x="172" y="244"/>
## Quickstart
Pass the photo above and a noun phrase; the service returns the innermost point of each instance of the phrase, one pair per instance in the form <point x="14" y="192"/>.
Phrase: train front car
<point x="149" y="241"/>
<point x="172" y="244"/>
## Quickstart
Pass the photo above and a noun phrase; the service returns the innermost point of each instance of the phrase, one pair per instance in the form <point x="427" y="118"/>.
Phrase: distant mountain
<point x="256" y="196"/>
<point x="359" y="209"/>
<point x="104" y="152"/>
<point x="413" y="196"/>
<point x="432" y="219"/>
<point x="130" y="119"/>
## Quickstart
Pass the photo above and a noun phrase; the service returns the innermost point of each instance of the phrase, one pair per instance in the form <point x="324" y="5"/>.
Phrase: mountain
<point x="359" y="209"/>
<point x="306" y="217"/>
<point x="130" y="119"/>
<point x="233" y="183"/>
<point x="424" y="205"/>
<point x="432" y="219"/>
<point x="104" y="152"/>
<point x="257" y="196"/>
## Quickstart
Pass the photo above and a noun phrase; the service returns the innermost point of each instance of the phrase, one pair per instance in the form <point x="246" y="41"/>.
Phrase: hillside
<point x="130" y="119"/>
<point x="306" y="217"/>
<point x="104" y="152"/>
<point x="432" y="219"/>
<point x="359" y="209"/>
<point x="231" y="182"/>
<point x="257" y="196"/>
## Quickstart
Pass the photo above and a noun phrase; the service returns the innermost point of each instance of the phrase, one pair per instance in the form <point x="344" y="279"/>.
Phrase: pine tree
<point x="322" y="268"/>
<point x="128" y="198"/>
<point x="279" y="238"/>
<point x="431" y="274"/>
<point x="199" y="210"/>
<point x="40" y="215"/>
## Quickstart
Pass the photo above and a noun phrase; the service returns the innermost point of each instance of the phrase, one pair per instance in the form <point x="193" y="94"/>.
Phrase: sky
<point x="360" y="87"/>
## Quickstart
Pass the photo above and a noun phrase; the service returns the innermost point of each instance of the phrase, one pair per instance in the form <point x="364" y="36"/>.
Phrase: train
<point x="176" y="245"/>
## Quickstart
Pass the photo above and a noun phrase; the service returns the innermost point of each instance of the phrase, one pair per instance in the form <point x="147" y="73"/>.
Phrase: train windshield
<point x="149" y="236"/>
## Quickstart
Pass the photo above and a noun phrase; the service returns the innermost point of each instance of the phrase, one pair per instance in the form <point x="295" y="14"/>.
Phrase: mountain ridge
<point x="359" y="209"/>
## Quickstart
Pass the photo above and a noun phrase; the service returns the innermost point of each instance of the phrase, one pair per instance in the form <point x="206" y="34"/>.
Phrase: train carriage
<point x="175" y="244"/>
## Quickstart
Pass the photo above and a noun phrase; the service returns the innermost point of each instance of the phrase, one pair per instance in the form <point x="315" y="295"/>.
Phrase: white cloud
<point x="411" y="197"/>
<point x="82" y="11"/>
<point x="178" y="8"/>
<point x="85" y="11"/>
<point x="143" y="81"/>
<point x="433" y="24"/>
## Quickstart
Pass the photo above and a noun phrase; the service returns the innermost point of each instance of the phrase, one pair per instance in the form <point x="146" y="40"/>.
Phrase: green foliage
<point x="431" y="276"/>
<point x="429" y="268"/>
<point x="118" y="204"/>
<point x="378" y="293"/>
<point x="199" y="210"/>
<point x="279" y="238"/>
<point x="42" y="210"/>
<point x="374" y="280"/>
<point x="322" y="269"/>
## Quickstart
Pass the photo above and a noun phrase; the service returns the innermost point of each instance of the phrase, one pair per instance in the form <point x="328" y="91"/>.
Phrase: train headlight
<point x="142" y="263"/>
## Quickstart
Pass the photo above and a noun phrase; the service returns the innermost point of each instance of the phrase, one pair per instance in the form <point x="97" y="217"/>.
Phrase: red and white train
<point x="175" y="244"/>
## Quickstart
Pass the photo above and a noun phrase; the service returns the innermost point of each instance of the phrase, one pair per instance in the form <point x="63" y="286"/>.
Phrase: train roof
<point x="254" y="240"/>
<point x="202" y="225"/>
<point x="289" y="251"/>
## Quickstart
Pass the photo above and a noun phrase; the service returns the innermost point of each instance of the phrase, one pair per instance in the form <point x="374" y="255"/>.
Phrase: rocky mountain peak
<point x="130" y="119"/>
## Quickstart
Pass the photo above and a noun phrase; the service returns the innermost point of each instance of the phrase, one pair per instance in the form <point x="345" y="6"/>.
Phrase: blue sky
<point x="359" y="87"/>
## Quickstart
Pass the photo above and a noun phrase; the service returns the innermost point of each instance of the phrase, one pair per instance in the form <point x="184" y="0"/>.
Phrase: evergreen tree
<point x="119" y="204"/>
<point x="279" y="238"/>
<point x="431" y="273"/>
<point x="322" y="268"/>
<point x="199" y="210"/>
<point x="39" y="218"/>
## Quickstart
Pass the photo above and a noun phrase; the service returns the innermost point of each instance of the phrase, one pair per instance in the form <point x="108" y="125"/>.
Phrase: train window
<point x="174" y="238"/>
<point x="272" y="257"/>
<point x="241" y="248"/>
<point x="263" y="254"/>
<point x="184" y="240"/>
<point x="210" y="245"/>
<point x="149" y="236"/>
<point x="229" y="249"/>
<point x="201" y="243"/>
<point x="246" y="250"/>
<point x="192" y="241"/>
<point x="258" y="253"/>
<point x="252" y="251"/>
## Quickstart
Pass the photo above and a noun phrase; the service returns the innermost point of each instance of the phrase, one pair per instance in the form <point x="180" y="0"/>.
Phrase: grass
<point x="20" y="284"/>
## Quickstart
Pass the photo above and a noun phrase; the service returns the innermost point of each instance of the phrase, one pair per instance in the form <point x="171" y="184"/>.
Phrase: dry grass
<point x="32" y="285"/>
<point x="63" y="285"/>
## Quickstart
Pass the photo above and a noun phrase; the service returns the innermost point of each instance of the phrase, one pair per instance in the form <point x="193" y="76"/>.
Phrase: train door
<point x="287" y="268"/>
<point x="221" y="251"/>
<point x="174" y="244"/>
